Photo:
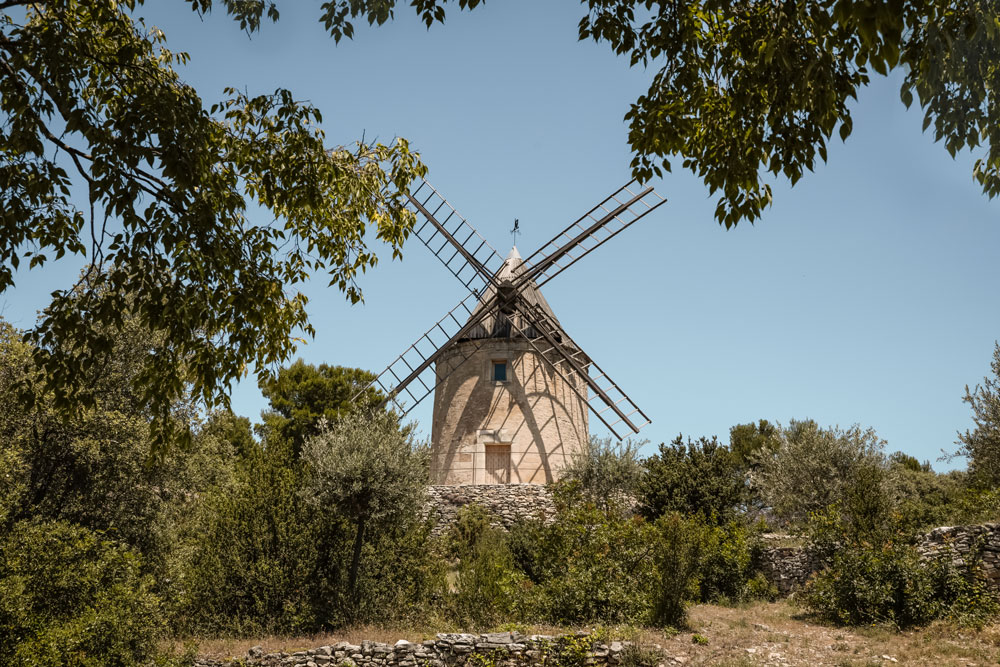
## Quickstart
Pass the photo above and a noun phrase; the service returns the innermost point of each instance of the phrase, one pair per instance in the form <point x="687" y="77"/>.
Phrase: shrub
<point x="701" y="477"/>
<point x="962" y="591"/>
<point x="69" y="598"/>
<point x="607" y="471"/>
<point x="488" y="588"/>
<point x="566" y="651"/>
<point x="926" y="499"/>
<point x="678" y="561"/>
<point x="868" y="584"/>
<point x="587" y="565"/>
<point x="727" y="568"/>
<point x="254" y="554"/>
<point x="878" y="577"/>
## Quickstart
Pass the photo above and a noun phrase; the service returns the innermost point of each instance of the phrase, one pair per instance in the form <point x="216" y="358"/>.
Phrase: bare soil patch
<point x="778" y="633"/>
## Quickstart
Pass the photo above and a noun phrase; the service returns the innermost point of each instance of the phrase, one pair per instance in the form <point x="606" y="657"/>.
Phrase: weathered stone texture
<point x="539" y="415"/>
<point x="506" y="503"/>
<point x="960" y="542"/>
<point x="789" y="568"/>
<point x="504" y="649"/>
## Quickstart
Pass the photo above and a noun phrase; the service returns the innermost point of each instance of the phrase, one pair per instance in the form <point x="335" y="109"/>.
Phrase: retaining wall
<point x="789" y="567"/>
<point x="505" y="502"/>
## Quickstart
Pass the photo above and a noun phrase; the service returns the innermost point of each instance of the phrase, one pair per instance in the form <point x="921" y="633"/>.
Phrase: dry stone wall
<point x="981" y="542"/>
<point x="506" y="503"/>
<point x="788" y="568"/>
<point x="503" y="649"/>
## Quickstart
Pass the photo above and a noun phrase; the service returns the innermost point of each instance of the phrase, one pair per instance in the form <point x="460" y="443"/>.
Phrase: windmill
<point x="513" y="390"/>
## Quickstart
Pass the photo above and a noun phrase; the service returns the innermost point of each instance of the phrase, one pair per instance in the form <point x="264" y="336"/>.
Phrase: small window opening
<point x="499" y="371"/>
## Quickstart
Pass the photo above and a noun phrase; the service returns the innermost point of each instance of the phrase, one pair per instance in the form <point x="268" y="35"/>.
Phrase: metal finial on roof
<point x="517" y="230"/>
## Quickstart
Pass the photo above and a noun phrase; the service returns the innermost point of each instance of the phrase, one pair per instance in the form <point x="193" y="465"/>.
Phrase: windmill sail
<point x="449" y="236"/>
<point x="410" y="378"/>
<point x="619" y="211"/>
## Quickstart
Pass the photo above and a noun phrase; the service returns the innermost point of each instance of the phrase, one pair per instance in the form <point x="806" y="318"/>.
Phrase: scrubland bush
<point x="727" y="569"/>
<point x="488" y="589"/>
<point x="694" y="477"/>
<point x="678" y="561"/>
<point x="69" y="598"/>
<point x="889" y="583"/>
<point x="879" y="577"/>
<point x="698" y="560"/>
<point x="254" y="555"/>
<point x="589" y="564"/>
<point x="606" y="471"/>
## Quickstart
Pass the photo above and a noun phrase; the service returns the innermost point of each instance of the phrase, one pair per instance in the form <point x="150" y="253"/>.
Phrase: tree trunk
<point x="352" y="579"/>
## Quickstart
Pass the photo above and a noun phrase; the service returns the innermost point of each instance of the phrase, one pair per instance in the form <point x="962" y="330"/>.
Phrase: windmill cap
<point x="492" y="327"/>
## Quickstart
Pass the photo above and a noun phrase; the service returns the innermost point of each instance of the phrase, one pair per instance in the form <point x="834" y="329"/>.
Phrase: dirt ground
<point x="780" y="634"/>
<point x="775" y="633"/>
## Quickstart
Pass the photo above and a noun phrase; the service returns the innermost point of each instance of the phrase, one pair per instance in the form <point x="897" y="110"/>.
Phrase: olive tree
<point x="809" y="468"/>
<point x="982" y="443"/>
<point x="370" y="470"/>
<point x="608" y="471"/>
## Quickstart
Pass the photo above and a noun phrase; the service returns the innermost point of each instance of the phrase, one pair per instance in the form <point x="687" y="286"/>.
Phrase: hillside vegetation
<point x="310" y="521"/>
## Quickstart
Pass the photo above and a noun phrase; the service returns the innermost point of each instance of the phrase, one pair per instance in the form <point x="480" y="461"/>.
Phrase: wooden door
<point x="497" y="464"/>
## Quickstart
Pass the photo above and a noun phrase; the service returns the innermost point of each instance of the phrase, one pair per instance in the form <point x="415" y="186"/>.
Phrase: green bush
<point x="727" y="569"/>
<point x="488" y="588"/>
<point x="976" y="505"/>
<point x="588" y="565"/>
<point x="678" y="562"/>
<point x="867" y="584"/>
<point x="925" y="499"/>
<point x="963" y="594"/>
<point x="254" y="554"/>
<point x="878" y="577"/>
<point x="69" y="598"/>
<point x="402" y="580"/>
<point x="890" y="584"/>
<point x="699" y="477"/>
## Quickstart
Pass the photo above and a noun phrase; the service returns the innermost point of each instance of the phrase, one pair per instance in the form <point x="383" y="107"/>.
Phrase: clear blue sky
<point x="868" y="293"/>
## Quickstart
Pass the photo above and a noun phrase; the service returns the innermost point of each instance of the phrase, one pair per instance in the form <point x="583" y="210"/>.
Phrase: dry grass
<point x="775" y="633"/>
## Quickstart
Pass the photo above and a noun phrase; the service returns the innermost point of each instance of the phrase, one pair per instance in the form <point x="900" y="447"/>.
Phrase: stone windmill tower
<point x="501" y="413"/>
<point x="513" y="392"/>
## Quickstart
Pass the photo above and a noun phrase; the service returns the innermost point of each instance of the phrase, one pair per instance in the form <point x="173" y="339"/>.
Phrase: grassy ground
<point x="776" y="633"/>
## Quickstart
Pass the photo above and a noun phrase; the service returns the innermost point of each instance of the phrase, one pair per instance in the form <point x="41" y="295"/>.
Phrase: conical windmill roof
<point x="491" y="326"/>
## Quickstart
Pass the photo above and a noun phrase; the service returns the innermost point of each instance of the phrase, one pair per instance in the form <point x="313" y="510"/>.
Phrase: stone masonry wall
<point x="789" y="567"/>
<point x="958" y="542"/>
<point x="506" y="502"/>
<point x="503" y="649"/>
